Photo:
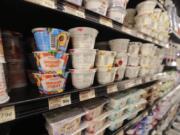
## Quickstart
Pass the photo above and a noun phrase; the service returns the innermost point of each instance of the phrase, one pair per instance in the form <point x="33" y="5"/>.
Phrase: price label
<point x="139" y="81"/>
<point x="112" y="88"/>
<point x="85" y="95"/>
<point x="147" y="79"/>
<point x="73" y="10"/>
<point x="57" y="102"/>
<point x="129" y="84"/>
<point x="7" y="114"/>
<point x="106" y="22"/>
<point x="46" y="3"/>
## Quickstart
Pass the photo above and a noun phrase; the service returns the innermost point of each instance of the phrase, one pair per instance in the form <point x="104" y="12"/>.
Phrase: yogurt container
<point x="133" y="60"/>
<point x="119" y="45"/>
<point x="121" y="60"/>
<point x="147" y="49"/>
<point x="48" y="39"/>
<point x="2" y="58"/>
<point x="82" y="78"/>
<point x="144" y="71"/>
<point x="106" y="75"/>
<point x="50" y="83"/>
<point x="83" y="37"/>
<point x="120" y="73"/>
<point x="134" y="48"/>
<point x="98" y="6"/>
<point x="49" y="62"/>
<point x="83" y="58"/>
<point x="117" y="14"/>
<point x="132" y="72"/>
<point x="105" y="58"/>
<point x="145" y="61"/>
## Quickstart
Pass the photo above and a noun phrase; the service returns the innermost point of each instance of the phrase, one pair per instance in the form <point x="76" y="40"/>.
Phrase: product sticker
<point x="106" y="22"/>
<point x="112" y="88"/>
<point x="73" y="10"/>
<point x="85" y="95"/>
<point x="7" y="114"/>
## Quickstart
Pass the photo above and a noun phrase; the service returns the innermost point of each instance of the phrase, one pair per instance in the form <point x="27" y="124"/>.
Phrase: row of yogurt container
<point x="108" y="63"/>
<point x="94" y="117"/>
<point x="114" y="9"/>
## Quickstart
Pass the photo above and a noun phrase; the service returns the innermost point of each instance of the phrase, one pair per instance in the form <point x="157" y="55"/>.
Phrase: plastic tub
<point x="93" y="110"/>
<point x="144" y="71"/>
<point x="118" y="3"/>
<point x="129" y="18"/>
<point x="147" y="49"/>
<point x="51" y="39"/>
<point x="50" y="83"/>
<point x="98" y="6"/>
<point x="119" y="45"/>
<point x="146" y="7"/>
<point x="82" y="78"/>
<point x="121" y="60"/>
<point x="132" y="72"/>
<point x="145" y="61"/>
<point x="83" y="37"/>
<point x="134" y="48"/>
<point x="120" y="73"/>
<point x="76" y="2"/>
<point x="117" y="14"/>
<point x="48" y="62"/>
<point x="64" y="122"/>
<point x="133" y="60"/>
<point x="105" y="58"/>
<point x="106" y="75"/>
<point x="83" y="58"/>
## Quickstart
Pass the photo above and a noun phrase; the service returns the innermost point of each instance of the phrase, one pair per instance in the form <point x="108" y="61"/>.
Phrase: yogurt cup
<point x="120" y="73"/>
<point x="83" y="58"/>
<point x="82" y="78"/>
<point x="105" y="58"/>
<point x="147" y="49"/>
<point x="121" y="60"/>
<point x="119" y="45"/>
<point x="106" y="75"/>
<point x="145" y="61"/>
<point x="83" y="37"/>
<point x="48" y="39"/>
<point x="50" y="83"/>
<point x="98" y="6"/>
<point x="132" y="72"/>
<point x="144" y="71"/>
<point x="48" y="62"/>
<point x="134" y="48"/>
<point x="133" y="60"/>
<point x="2" y="58"/>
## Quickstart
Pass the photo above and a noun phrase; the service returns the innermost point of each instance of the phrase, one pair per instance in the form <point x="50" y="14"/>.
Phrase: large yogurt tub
<point x="82" y="78"/>
<point x="105" y="58"/>
<point x="106" y="75"/>
<point x="83" y="58"/>
<point x="134" y="48"/>
<point x="120" y="73"/>
<point x="145" y="61"/>
<point x="147" y="49"/>
<point x="121" y="60"/>
<point x="146" y="7"/>
<point x="98" y="6"/>
<point x="119" y="45"/>
<point x="133" y="60"/>
<point x="132" y="72"/>
<point x="83" y="37"/>
<point x="117" y="13"/>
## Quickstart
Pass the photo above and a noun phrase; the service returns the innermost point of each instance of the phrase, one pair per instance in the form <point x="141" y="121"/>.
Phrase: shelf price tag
<point x="85" y="95"/>
<point x="73" y="10"/>
<point x="7" y="114"/>
<point x="139" y="81"/>
<point x="57" y="102"/>
<point x="112" y="88"/>
<point x="129" y="84"/>
<point x="106" y="21"/>
<point x="45" y="3"/>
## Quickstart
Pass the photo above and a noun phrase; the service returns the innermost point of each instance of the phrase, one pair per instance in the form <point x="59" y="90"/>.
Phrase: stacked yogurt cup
<point x="117" y="10"/>
<point x="132" y="70"/>
<point x="51" y="59"/>
<point x="121" y="59"/>
<point x="3" y="89"/>
<point x="83" y="56"/>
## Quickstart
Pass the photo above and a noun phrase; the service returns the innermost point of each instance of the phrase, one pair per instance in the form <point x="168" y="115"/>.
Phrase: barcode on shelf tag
<point x="112" y="88"/>
<point x="73" y="10"/>
<point x="57" y="102"/>
<point x="85" y="95"/>
<point x="106" y="21"/>
<point x="46" y="3"/>
<point x="7" y="114"/>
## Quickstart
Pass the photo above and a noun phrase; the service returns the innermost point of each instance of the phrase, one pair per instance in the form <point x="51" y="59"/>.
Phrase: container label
<point x="7" y="114"/>
<point x="85" y="95"/>
<point x="106" y="21"/>
<point x="112" y="88"/>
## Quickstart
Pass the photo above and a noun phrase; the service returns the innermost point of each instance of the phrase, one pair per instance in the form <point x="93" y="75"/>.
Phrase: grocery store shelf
<point x="27" y="101"/>
<point x="76" y="16"/>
